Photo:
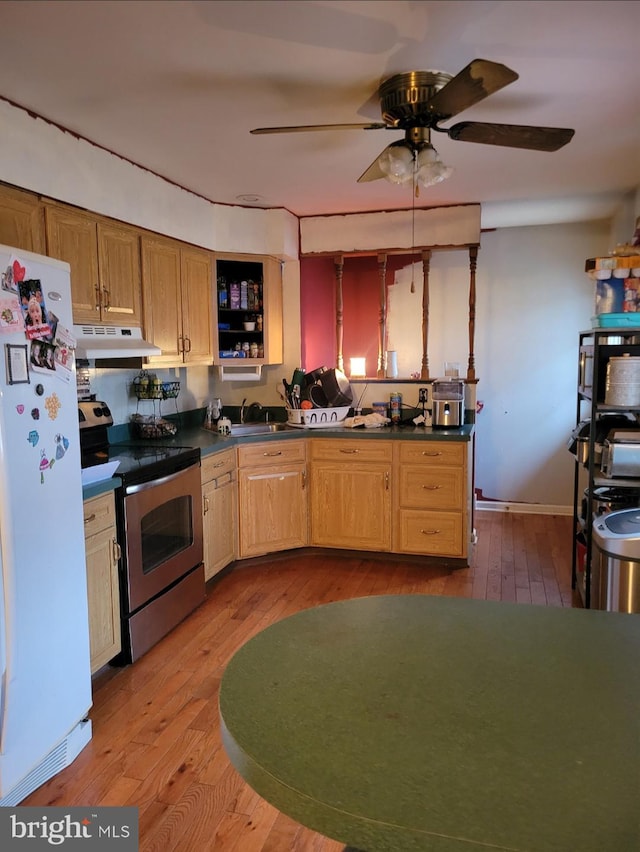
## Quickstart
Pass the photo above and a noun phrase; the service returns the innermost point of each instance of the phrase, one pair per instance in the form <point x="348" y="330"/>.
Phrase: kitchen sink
<point x="240" y="429"/>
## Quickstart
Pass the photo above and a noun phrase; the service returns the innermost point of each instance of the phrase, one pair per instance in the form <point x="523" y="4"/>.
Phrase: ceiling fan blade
<point x="474" y="83"/>
<point x="511" y="135"/>
<point x="374" y="172"/>
<point x="305" y="127"/>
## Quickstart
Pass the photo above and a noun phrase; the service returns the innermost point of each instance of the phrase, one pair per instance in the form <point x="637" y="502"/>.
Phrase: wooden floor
<point x="156" y="738"/>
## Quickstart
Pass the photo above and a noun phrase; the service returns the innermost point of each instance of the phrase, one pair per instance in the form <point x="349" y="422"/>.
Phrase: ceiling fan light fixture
<point x="396" y="163"/>
<point x="430" y="169"/>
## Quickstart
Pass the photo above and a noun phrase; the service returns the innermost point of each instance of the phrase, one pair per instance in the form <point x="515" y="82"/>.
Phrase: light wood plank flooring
<point x="156" y="738"/>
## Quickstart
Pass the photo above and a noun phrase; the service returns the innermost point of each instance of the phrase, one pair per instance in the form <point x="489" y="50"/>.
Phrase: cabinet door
<point x="72" y="236"/>
<point x="197" y="299"/>
<point x="119" y="267"/>
<point x="273" y="332"/>
<point x="351" y="505"/>
<point x="219" y="498"/>
<point x="161" y="299"/>
<point x="273" y="509"/>
<point x="21" y="220"/>
<point x="103" y="597"/>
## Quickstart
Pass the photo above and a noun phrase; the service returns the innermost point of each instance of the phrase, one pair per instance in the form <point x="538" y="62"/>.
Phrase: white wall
<point x="533" y="299"/>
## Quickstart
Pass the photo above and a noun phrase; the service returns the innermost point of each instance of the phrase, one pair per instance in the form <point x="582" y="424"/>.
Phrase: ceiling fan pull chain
<point x="414" y="195"/>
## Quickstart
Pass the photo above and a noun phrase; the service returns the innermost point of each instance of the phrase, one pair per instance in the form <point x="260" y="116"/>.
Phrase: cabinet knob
<point x="432" y="453"/>
<point x="431" y="487"/>
<point x="107" y="301"/>
<point x="430" y="532"/>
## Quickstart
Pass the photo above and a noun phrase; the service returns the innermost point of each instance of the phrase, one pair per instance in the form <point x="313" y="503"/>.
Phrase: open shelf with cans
<point x="248" y="324"/>
<point x="607" y="411"/>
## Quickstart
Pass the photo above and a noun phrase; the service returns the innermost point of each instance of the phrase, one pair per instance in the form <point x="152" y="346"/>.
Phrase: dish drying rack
<point x="149" y="388"/>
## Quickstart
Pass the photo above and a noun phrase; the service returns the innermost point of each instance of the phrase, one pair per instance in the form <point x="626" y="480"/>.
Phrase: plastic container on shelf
<point x="623" y="320"/>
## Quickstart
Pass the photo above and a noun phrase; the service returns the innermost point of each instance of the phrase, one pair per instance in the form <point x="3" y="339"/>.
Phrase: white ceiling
<point x="176" y="86"/>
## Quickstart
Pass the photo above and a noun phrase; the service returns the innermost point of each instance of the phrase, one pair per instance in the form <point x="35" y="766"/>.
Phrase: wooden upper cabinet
<point x="161" y="298"/>
<point x="120" y="276"/>
<point x="105" y="265"/>
<point x="177" y="296"/>
<point x="22" y="220"/>
<point x="197" y="298"/>
<point x="71" y="236"/>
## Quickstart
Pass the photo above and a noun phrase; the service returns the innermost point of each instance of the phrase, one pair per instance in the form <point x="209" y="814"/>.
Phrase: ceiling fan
<point x="418" y="101"/>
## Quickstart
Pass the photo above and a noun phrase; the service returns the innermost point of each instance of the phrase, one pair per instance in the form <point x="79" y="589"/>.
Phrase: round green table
<point x="409" y="722"/>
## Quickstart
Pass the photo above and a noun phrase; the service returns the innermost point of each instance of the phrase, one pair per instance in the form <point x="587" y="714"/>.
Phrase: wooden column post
<point x="426" y="261"/>
<point x="473" y="258"/>
<point x="339" y="267"/>
<point x="382" y="316"/>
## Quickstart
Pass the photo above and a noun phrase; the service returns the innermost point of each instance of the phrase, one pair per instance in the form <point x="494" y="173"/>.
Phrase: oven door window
<point x="165" y="532"/>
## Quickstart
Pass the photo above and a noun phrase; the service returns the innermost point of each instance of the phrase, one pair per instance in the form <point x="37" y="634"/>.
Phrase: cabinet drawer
<point x="361" y="450"/>
<point x="217" y="464"/>
<point x="437" y="533"/>
<point x="432" y="452"/>
<point x="424" y="487"/>
<point x="99" y="513"/>
<point x="271" y="452"/>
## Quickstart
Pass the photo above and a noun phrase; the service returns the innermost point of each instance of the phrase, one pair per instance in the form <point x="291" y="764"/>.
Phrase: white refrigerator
<point x="45" y="691"/>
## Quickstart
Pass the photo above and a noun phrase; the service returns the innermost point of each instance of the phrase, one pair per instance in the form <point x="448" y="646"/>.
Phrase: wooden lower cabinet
<point x="351" y="493"/>
<point x="272" y="485"/>
<point x="103" y="593"/>
<point x="220" y="511"/>
<point x="370" y="494"/>
<point x="432" y="498"/>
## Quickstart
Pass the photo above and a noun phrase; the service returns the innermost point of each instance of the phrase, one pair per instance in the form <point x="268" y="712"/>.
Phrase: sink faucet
<point x="254" y="407"/>
<point x="244" y="402"/>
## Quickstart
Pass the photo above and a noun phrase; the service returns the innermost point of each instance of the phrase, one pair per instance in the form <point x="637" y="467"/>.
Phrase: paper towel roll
<point x="392" y="364"/>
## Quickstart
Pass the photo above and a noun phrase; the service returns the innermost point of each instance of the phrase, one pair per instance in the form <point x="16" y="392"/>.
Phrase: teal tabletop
<point x="407" y="723"/>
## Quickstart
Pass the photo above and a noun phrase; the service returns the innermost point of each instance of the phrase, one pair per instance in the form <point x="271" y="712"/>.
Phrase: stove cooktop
<point x="143" y="462"/>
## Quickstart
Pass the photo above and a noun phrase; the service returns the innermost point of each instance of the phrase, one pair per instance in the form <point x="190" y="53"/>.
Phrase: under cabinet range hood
<point x="105" y="341"/>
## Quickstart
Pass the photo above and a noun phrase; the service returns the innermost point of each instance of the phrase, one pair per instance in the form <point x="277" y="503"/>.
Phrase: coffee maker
<point x="448" y="403"/>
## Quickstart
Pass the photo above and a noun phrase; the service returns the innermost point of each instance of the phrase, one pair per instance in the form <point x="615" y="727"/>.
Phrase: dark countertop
<point x="98" y="488"/>
<point x="208" y="442"/>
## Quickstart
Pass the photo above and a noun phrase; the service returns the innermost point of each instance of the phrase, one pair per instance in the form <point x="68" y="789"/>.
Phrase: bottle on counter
<point x="395" y="405"/>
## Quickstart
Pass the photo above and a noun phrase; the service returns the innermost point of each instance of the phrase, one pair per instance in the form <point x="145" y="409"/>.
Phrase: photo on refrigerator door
<point x="11" y="320"/>
<point x="42" y="356"/>
<point x="36" y="320"/>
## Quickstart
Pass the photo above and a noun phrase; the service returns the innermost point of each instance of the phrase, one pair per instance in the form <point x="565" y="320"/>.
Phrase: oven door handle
<point x="154" y="483"/>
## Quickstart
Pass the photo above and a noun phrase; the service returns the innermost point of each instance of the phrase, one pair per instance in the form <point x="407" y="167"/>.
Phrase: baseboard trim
<point x="522" y="508"/>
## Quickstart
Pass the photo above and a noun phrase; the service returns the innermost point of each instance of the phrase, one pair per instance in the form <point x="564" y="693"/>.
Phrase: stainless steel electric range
<point x="159" y="521"/>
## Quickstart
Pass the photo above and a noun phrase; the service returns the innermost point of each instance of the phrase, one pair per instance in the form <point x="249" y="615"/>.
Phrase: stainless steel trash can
<point x="615" y="563"/>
